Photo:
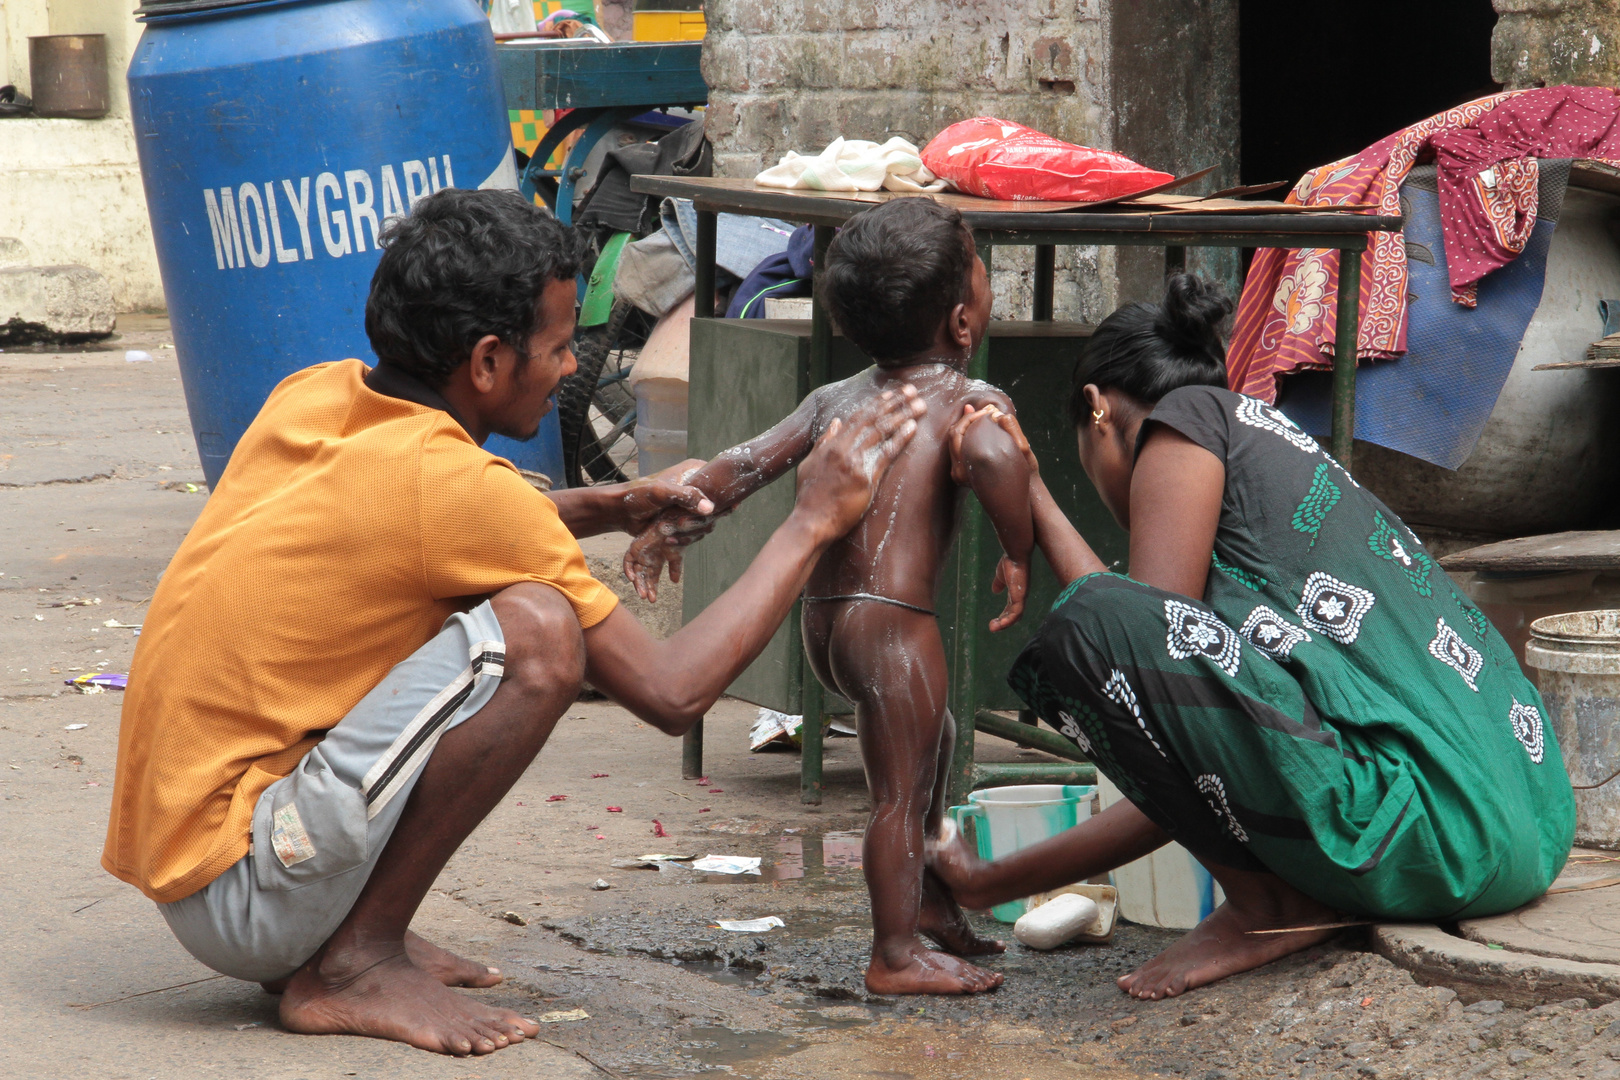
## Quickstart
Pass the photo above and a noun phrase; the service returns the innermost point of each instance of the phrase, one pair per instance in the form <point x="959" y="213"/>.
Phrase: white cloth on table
<point x="854" y="165"/>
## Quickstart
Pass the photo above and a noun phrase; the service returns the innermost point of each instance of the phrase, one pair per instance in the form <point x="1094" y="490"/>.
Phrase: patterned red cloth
<point x="1486" y="154"/>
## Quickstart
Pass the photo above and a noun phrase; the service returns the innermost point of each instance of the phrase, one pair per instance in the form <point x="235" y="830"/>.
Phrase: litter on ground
<point x="728" y="864"/>
<point x="750" y="926"/>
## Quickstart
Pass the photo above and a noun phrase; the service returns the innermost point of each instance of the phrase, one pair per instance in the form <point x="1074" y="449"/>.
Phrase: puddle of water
<point x="813" y="855"/>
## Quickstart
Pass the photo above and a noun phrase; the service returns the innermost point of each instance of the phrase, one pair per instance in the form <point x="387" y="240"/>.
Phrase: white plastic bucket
<point x="1006" y="819"/>
<point x="1168" y="888"/>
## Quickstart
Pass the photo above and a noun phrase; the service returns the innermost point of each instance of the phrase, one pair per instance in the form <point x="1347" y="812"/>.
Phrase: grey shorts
<point x="318" y="832"/>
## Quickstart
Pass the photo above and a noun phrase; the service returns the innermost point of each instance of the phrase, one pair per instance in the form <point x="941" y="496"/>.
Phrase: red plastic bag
<point x="997" y="159"/>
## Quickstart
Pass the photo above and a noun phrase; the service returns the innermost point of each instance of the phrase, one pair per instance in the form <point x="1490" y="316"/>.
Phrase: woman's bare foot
<point x="446" y="966"/>
<point x="916" y="969"/>
<point x="1221" y="945"/>
<point x="942" y="922"/>
<point x="376" y="991"/>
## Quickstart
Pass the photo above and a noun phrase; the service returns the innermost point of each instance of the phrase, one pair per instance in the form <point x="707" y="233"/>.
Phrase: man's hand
<point x="650" y="496"/>
<point x="841" y="475"/>
<point x="971" y="416"/>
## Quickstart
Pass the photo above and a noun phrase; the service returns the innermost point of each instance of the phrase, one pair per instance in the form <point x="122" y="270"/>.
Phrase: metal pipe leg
<point x="813" y="735"/>
<point x="1345" y="335"/>
<point x="703" y="301"/>
<point x="692" y="752"/>
<point x="1045" y="282"/>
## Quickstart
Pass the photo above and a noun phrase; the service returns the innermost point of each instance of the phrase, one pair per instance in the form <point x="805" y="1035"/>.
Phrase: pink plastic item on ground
<point x="998" y="159"/>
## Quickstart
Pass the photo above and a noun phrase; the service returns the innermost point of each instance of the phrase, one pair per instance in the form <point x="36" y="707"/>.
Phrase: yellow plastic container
<point x="669" y="20"/>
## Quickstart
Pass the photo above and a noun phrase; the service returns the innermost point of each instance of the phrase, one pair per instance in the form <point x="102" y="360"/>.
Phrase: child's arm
<point x="727" y="480"/>
<point x="994" y="466"/>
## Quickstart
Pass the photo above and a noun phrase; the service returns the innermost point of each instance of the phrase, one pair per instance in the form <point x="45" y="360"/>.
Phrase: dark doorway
<point x="1321" y="79"/>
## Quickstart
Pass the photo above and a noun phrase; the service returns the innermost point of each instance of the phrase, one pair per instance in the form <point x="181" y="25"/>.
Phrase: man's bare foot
<point x="917" y="969"/>
<point x="942" y="922"/>
<point x="950" y="858"/>
<point x="437" y="961"/>
<point x="1221" y="945"/>
<point x="446" y="966"/>
<point x="377" y="991"/>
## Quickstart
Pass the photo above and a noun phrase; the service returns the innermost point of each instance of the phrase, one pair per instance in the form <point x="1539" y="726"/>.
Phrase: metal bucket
<point x="1578" y="656"/>
<point x="68" y="75"/>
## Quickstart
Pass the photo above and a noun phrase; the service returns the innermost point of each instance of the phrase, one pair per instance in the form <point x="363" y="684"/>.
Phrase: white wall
<point x="70" y="190"/>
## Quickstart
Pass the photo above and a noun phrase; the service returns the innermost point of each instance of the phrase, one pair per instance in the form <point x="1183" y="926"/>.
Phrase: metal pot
<point x="69" y="75"/>
<point x="1549" y="457"/>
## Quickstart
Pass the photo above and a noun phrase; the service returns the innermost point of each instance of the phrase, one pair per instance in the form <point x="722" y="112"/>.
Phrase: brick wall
<point x="795" y="74"/>
<point x="1548" y="42"/>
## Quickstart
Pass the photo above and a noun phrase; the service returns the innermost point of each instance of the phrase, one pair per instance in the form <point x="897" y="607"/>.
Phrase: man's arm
<point x="672" y="683"/>
<point x="631" y="507"/>
<point x="998" y="473"/>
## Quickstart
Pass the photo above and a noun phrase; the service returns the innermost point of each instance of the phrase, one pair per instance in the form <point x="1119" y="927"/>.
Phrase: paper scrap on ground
<point x="776" y="729"/>
<point x="95" y="682"/>
<point x="750" y="926"/>
<point x="75" y="727"/>
<point x="854" y="165"/>
<point x="564" y="1016"/>
<point x="650" y="862"/>
<point x="728" y="864"/>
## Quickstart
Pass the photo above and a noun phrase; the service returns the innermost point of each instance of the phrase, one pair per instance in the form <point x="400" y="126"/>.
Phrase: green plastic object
<point x="598" y="302"/>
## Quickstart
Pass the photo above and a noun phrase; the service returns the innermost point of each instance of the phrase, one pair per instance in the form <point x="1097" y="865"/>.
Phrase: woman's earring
<point x="1097" y="416"/>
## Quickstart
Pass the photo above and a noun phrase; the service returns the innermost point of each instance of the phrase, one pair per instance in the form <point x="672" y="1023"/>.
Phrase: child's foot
<point x="943" y="922"/>
<point x="917" y="969"/>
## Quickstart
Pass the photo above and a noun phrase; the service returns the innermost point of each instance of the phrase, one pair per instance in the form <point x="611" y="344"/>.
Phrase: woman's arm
<point x="1176" y="494"/>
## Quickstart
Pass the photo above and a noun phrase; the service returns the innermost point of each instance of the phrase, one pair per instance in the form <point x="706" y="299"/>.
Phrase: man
<point x="374" y="625"/>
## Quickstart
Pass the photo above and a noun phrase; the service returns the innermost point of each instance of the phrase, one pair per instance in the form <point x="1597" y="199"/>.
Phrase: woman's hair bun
<point x="1192" y="313"/>
<point x="1148" y="350"/>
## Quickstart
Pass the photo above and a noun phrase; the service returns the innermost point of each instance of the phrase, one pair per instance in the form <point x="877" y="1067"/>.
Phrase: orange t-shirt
<point x="347" y="528"/>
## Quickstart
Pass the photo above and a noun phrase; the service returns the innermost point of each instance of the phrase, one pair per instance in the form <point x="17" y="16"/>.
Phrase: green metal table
<point x="746" y="374"/>
<point x="602" y="85"/>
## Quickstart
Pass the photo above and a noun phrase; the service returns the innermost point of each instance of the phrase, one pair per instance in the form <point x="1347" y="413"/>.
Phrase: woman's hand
<point x="841" y="475"/>
<point x="970" y="416"/>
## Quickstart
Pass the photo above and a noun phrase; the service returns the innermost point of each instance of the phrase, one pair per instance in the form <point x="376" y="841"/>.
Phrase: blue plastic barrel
<point x="276" y="137"/>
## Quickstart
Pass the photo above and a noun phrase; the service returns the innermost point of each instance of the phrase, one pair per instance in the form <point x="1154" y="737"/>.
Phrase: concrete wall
<point x="1154" y="78"/>
<point x="71" y="189"/>
<point x="1548" y="42"/>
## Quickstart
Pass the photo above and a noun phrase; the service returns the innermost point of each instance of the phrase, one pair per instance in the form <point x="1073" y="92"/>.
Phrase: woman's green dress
<point x="1333" y="711"/>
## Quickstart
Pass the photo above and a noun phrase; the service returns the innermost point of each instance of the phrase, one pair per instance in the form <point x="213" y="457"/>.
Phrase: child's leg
<point x="891" y="664"/>
<point x="942" y="920"/>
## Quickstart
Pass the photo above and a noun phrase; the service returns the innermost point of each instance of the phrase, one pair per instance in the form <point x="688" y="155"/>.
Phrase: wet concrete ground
<point x="95" y="457"/>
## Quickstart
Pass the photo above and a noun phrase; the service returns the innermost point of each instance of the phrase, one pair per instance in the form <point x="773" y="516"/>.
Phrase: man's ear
<point x="483" y="365"/>
<point x="961" y="332"/>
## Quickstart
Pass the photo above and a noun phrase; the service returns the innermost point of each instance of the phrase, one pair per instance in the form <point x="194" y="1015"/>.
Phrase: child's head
<point x="897" y="274"/>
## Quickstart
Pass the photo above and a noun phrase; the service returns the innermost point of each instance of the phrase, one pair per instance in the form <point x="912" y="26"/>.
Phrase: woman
<point x="1286" y="684"/>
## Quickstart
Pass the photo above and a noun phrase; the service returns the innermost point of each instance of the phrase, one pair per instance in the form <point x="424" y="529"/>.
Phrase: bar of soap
<point x="1059" y="920"/>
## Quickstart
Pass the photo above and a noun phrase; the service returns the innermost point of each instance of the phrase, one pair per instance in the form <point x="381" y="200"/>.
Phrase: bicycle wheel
<point x="595" y="407"/>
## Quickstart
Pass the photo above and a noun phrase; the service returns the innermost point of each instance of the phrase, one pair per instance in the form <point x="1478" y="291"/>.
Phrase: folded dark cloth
<point x="613" y="206"/>
<point x="787" y="273"/>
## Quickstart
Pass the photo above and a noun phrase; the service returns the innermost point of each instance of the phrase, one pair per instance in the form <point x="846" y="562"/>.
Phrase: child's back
<point x="897" y="550"/>
<point x="904" y="284"/>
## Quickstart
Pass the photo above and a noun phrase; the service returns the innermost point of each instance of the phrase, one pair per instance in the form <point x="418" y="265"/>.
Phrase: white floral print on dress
<point x="1195" y="632"/>
<point x="1334" y="608"/>
<point x="1451" y="650"/>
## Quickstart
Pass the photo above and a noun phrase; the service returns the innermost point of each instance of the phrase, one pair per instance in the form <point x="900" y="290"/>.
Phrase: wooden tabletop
<point x="1137" y="216"/>
<point x="1554" y="551"/>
